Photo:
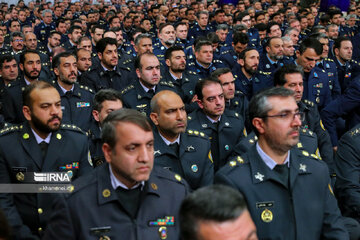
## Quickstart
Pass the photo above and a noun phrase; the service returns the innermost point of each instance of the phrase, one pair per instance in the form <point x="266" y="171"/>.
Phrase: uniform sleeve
<point x="347" y="184"/>
<point x="9" y="108"/>
<point x="208" y="173"/>
<point x="60" y="225"/>
<point x="85" y="160"/>
<point x="342" y="106"/>
<point x="336" y="91"/>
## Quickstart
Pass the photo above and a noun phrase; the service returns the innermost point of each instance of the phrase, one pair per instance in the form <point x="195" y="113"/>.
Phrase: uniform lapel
<point x="54" y="150"/>
<point x="30" y="145"/>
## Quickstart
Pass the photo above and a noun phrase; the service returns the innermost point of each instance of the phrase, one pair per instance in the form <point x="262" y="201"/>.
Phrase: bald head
<point x="168" y="114"/>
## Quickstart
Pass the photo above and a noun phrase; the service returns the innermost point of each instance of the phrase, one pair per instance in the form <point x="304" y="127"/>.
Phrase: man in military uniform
<point x="291" y="77"/>
<point x="183" y="80"/>
<point x="138" y="94"/>
<point x="53" y="42"/>
<point x="204" y="62"/>
<point x="316" y="85"/>
<point x="30" y="65"/>
<point x="201" y="27"/>
<point x="186" y="153"/>
<point x="74" y="34"/>
<point x="107" y="74"/>
<point x="167" y="38"/>
<point x="277" y="200"/>
<point x="234" y="100"/>
<point x="223" y="126"/>
<point x="8" y="70"/>
<point x="84" y="62"/>
<point x="43" y="145"/>
<point x="44" y="29"/>
<point x="16" y="43"/>
<point x="96" y="33"/>
<point x="253" y="34"/>
<point x="216" y="212"/>
<point x="127" y="189"/>
<point x="272" y="58"/>
<point x="105" y="101"/>
<point x="76" y="100"/>
<point x="230" y="56"/>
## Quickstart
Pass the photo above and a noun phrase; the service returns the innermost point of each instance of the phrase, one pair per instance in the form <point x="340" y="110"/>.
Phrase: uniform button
<point x="40" y="229"/>
<point x="40" y="211"/>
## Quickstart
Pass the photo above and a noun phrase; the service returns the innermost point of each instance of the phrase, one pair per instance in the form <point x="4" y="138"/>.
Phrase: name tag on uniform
<point x="82" y="104"/>
<point x="264" y="204"/>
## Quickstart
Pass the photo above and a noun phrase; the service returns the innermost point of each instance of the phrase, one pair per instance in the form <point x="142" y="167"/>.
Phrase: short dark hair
<point x="172" y="49"/>
<point x="108" y="133"/>
<point x="279" y="76"/>
<point x="203" y="83"/>
<point x="94" y="27"/>
<point x="24" y="53"/>
<point x="240" y="37"/>
<point x="270" y="25"/>
<point x="57" y="59"/>
<point x="259" y="105"/>
<point x="27" y="101"/>
<point x="105" y="95"/>
<point x="242" y="55"/>
<point x="102" y="44"/>
<point x="220" y="71"/>
<point x="311" y="43"/>
<point x="73" y="28"/>
<point x="6" y="58"/>
<point x="138" y="59"/>
<point x="200" y="44"/>
<point x="338" y="41"/>
<point x="112" y="19"/>
<point x="218" y="203"/>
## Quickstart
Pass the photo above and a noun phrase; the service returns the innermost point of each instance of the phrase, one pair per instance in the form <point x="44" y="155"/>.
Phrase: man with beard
<point x="183" y="80"/>
<point x="30" y="65"/>
<point x="139" y="94"/>
<point x="273" y="56"/>
<point x="183" y="152"/>
<point x="248" y="79"/>
<point x="107" y="74"/>
<point x="76" y="100"/>
<point x="167" y="38"/>
<point x="224" y="127"/>
<point x="43" y="144"/>
<point x="105" y="101"/>
<point x="96" y="33"/>
<point x="53" y="42"/>
<point x="74" y="33"/>
<point x="273" y="175"/>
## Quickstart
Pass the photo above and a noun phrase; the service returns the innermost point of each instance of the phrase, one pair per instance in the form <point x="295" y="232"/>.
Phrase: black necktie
<point x="175" y="147"/>
<point x="130" y="199"/>
<point x="68" y="94"/>
<point x="151" y="92"/>
<point x="43" y="146"/>
<point x="111" y="73"/>
<point x="215" y="147"/>
<point x="283" y="172"/>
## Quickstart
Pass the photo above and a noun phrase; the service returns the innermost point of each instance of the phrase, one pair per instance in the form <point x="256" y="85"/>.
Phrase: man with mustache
<point x="43" y="144"/>
<point x="76" y="100"/>
<point x="186" y="153"/>
<point x="224" y="127"/>
<point x="167" y="39"/>
<point x="30" y="65"/>
<point x="288" y="189"/>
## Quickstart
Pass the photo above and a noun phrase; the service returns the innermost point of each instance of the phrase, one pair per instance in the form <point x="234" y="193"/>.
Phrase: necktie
<point x="283" y="172"/>
<point x="68" y="94"/>
<point x="215" y="146"/>
<point x="175" y="147"/>
<point x="111" y="73"/>
<point x="151" y="92"/>
<point x="130" y="199"/>
<point x="43" y="146"/>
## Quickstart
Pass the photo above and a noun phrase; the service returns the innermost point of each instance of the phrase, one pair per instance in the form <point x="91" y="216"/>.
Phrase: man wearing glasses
<point x="291" y="77"/>
<point x="287" y="190"/>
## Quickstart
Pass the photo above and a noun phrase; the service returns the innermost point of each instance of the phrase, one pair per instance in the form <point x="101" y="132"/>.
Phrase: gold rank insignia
<point x="58" y="136"/>
<point x="177" y="177"/>
<point x="267" y="216"/>
<point x="154" y="186"/>
<point x="20" y="176"/>
<point x="239" y="159"/>
<point x="232" y="163"/>
<point x="26" y="136"/>
<point x="106" y="193"/>
<point x="305" y="153"/>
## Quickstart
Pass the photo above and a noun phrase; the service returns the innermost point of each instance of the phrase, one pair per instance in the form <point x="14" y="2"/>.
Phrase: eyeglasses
<point x="18" y="40"/>
<point x="288" y="116"/>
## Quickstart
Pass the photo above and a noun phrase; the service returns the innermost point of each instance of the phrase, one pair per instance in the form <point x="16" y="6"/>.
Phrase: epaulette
<point x="125" y="90"/>
<point x="354" y="132"/>
<point x="329" y="59"/>
<point x="237" y="160"/>
<point x="191" y="64"/>
<point x="169" y="83"/>
<point x="13" y="84"/>
<point x="10" y="129"/>
<point x="307" y="154"/>
<point x="310" y="103"/>
<point x="160" y="172"/>
<point x="253" y="140"/>
<point x="196" y="133"/>
<point x="188" y="47"/>
<point x="191" y="72"/>
<point x="234" y="114"/>
<point x="307" y="132"/>
<point x="87" y="88"/>
<point x="217" y="61"/>
<point x="72" y="128"/>
<point x="42" y="52"/>
<point x="238" y="92"/>
<point x="264" y="73"/>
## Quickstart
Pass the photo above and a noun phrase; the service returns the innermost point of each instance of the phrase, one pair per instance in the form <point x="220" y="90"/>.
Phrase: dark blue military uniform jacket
<point x="329" y="66"/>
<point x="193" y="162"/>
<point x="95" y="144"/>
<point x="43" y="31"/>
<point x="308" y="210"/>
<point x="202" y="72"/>
<point x="230" y="130"/>
<point x="94" y="204"/>
<point x="135" y="97"/>
<point x="28" y="214"/>
<point x="347" y="186"/>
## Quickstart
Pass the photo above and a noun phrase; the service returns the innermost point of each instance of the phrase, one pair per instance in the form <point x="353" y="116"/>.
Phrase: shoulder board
<point x="86" y="88"/>
<point x="307" y="154"/>
<point x="309" y="103"/>
<point x="191" y="64"/>
<point x="354" y="132"/>
<point x="196" y="133"/>
<point x="217" y="61"/>
<point x="253" y="140"/>
<point x="264" y="73"/>
<point x="10" y="129"/>
<point x="238" y="92"/>
<point x="307" y="132"/>
<point x="169" y="83"/>
<point x="126" y="89"/>
<point x="72" y="128"/>
<point x="236" y="161"/>
<point x="166" y="174"/>
<point x="329" y="59"/>
<point x="191" y="72"/>
<point x="188" y="47"/>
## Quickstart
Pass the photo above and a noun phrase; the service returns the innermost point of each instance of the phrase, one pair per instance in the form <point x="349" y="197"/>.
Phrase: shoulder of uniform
<point x="264" y="73"/>
<point x="10" y="129"/>
<point x="329" y="60"/>
<point x="307" y="132"/>
<point x="217" y="61"/>
<point x="191" y="72"/>
<point x="309" y="103"/>
<point x="86" y="88"/>
<point x="13" y="84"/>
<point x="307" y="154"/>
<point x="166" y="83"/>
<point x="196" y="133"/>
<point x="354" y="132"/>
<point x="126" y="89"/>
<point x="233" y="114"/>
<point x="168" y="175"/>
<point x="236" y="162"/>
<point x="239" y="93"/>
<point x="191" y="64"/>
<point x="188" y="47"/>
<point x="72" y="127"/>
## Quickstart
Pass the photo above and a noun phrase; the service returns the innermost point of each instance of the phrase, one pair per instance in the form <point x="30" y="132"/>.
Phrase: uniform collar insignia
<point x="302" y="167"/>
<point x="259" y="176"/>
